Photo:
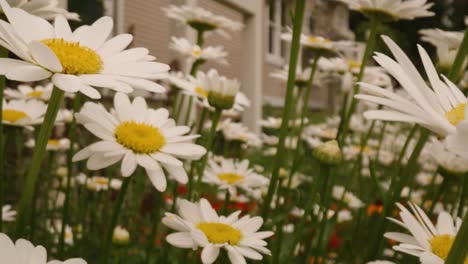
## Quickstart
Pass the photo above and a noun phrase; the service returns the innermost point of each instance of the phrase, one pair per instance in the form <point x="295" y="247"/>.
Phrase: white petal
<point x="181" y="240"/>
<point x="209" y="254"/>
<point x="129" y="164"/>
<point x="45" y="56"/>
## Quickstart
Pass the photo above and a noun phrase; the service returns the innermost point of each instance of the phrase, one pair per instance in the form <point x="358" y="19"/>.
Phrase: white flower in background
<point x="55" y="228"/>
<point x="446" y="44"/>
<point x="47" y="9"/>
<point x="431" y="244"/>
<point x="377" y="76"/>
<point x="391" y="10"/>
<point x="440" y="108"/>
<point x="25" y="92"/>
<point x="302" y="75"/>
<point x="98" y="183"/>
<point x="23" y="252"/>
<point x="52" y="144"/>
<point x="121" y="236"/>
<point x="449" y="161"/>
<point x="75" y="61"/>
<point x="137" y="135"/>
<point x="332" y="65"/>
<point x="211" y="82"/>
<point x="381" y="262"/>
<point x="8" y="215"/>
<point x="271" y="122"/>
<point x="321" y="131"/>
<point x="195" y="52"/>
<point x="23" y="113"/>
<point x="312" y="42"/>
<point x="232" y="175"/>
<point x="202" y="19"/>
<point x="233" y="131"/>
<point x="200" y="226"/>
<point x="339" y="193"/>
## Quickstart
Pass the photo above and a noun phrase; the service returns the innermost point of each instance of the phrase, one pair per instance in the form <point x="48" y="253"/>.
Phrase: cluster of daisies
<point x="112" y="171"/>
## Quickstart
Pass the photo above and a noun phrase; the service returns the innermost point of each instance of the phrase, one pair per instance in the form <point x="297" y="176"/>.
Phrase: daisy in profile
<point x="232" y="175"/>
<point x="214" y="90"/>
<point x="316" y="43"/>
<point x="195" y="53"/>
<point x="302" y="75"/>
<point x="431" y="244"/>
<point x="24" y="252"/>
<point x="23" y="113"/>
<point x="47" y="9"/>
<point x="391" y="10"/>
<point x="98" y="183"/>
<point x="439" y="106"/>
<point x="235" y="131"/>
<point x="202" y="20"/>
<point x="137" y="135"/>
<point x="77" y="60"/>
<point x="198" y="225"/>
<point x="8" y="215"/>
<point x="446" y="44"/>
<point x="61" y="144"/>
<point x="26" y="92"/>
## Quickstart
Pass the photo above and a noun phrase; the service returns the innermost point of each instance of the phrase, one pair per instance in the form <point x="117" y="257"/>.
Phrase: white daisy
<point x="440" y="108"/>
<point x="233" y="131"/>
<point x="120" y="236"/>
<point x="231" y="175"/>
<point x="391" y="10"/>
<point x="8" y="215"/>
<point x="312" y="42"/>
<point x="137" y="135"/>
<point x="194" y="52"/>
<point x="200" y="226"/>
<point x="47" y="9"/>
<point x="212" y="83"/>
<point x="98" y="183"/>
<point x="23" y="252"/>
<point x="23" y="113"/>
<point x="302" y="75"/>
<point x="446" y="44"/>
<point x="55" y="228"/>
<point x="201" y="19"/>
<point x="449" y="161"/>
<point x="52" y="144"/>
<point x="75" y="61"/>
<point x="339" y="192"/>
<point x="25" y="92"/>
<point x="431" y="244"/>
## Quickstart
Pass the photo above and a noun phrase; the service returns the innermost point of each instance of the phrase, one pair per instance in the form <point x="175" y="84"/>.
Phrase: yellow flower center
<point x="317" y="40"/>
<point x="201" y="91"/>
<point x="457" y="114"/>
<point x="354" y="64"/>
<point x="75" y="59"/>
<point x="35" y="94"/>
<point x="53" y="142"/>
<point x="101" y="180"/>
<point x="230" y="178"/>
<point x="441" y="245"/>
<point x="141" y="138"/>
<point x="13" y="116"/>
<point x="196" y="53"/>
<point x="218" y="233"/>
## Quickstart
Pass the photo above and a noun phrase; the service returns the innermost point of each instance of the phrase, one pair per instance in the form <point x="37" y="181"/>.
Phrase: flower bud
<point x="121" y="236"/>
<point x="328" y="153"/>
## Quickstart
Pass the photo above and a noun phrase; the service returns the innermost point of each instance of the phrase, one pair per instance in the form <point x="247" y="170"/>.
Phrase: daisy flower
<point x="201" y="19"/>
<point x="211" y="85"/>
<point x="317" y="43"/>
<point x="339" y="193"/>
<point x="302" y="75"/>
<point x="52" y="144"/>
<point x="198" y="225"/>
<point x="47" y="9"/>
<point x="75" y="60"/>
<point x="391" y="10"/>
<point x="233" y="131"/>
<point x="25" y="92"/>
<point x="446" y="44"/>
<point x="447" y="160"/>
<point x="24" y="252"/>
<point x="431" y="244"/>
<point x="23" y="113"/>
<point x="440" y="107"/>
<point x="231" y="175"/>
<point x="120" y="236"/>
<point x="137" y="135"/>
<point x="8" y="215"/>
<point x="98" y="183"/>
<point x="195" y="52"/>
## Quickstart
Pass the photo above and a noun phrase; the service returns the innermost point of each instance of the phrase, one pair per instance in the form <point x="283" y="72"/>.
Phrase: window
<point x="276" y="24"/>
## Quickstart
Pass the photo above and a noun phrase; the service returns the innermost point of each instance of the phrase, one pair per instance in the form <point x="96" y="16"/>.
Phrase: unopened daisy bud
<point x="223" y="95"/>
<point x="329" y="153"/>
<point x="62" y="171"/>
<point x="121" y="236"/>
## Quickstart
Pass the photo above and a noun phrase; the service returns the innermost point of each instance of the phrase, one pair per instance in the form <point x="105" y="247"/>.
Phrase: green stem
<point x="459" y="61"/>
<point x="200" y="39"/>
<point x="35" y="166"/>
<point x="279" y="158"/>
<point x="459" y="251"/>
<point x="463" y="196"/>
<point x="208" y="145"/>
<point x="115" y="216"/>
<point x="65" y="209"/>
<point x="189" y="110"/>
<point x="227" y="199"/>
<point x="158" y="201"/>
<point x="367" y="53"/>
